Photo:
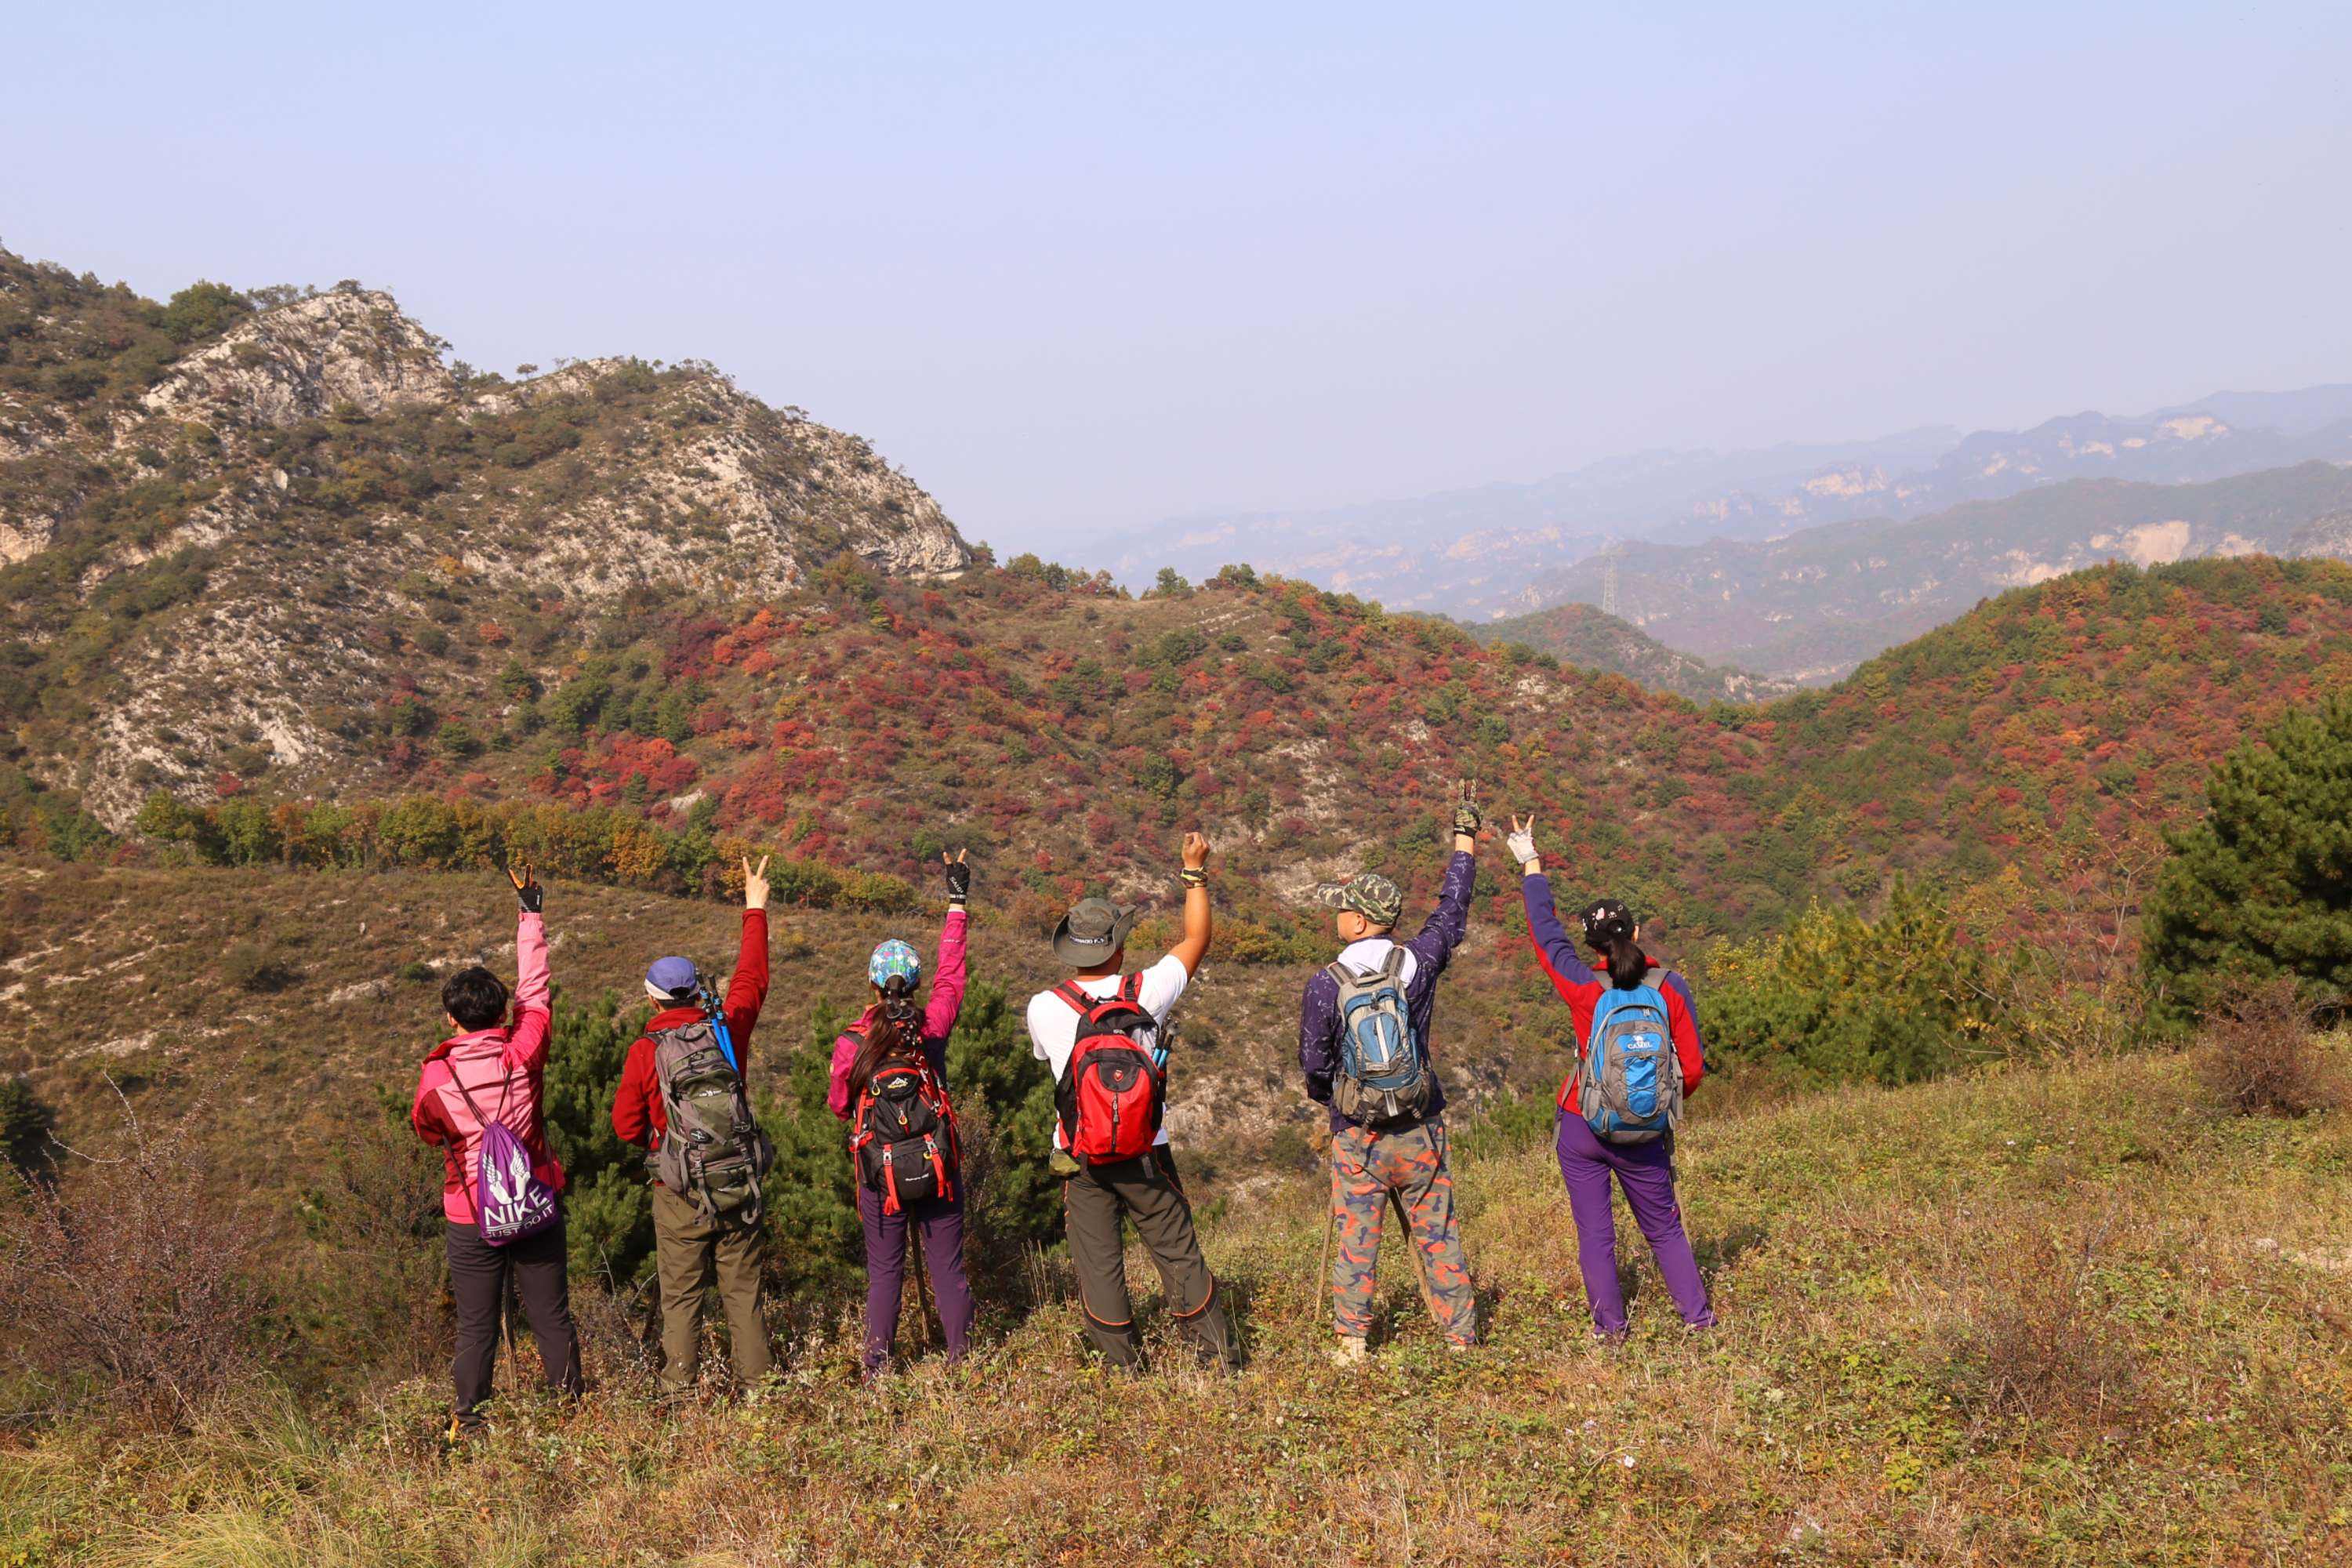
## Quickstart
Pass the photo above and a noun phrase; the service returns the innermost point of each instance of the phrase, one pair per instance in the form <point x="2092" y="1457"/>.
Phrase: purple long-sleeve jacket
<point x="1318" y="1009"/>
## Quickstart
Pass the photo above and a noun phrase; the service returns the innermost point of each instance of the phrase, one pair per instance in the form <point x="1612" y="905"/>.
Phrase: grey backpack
<point x="712" y="1151"/>
<point x="1383" y="1078"/>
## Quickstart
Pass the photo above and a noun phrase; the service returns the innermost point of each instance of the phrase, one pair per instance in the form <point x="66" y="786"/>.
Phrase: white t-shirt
<point x="1054" y="1023"/>
<point x="1366" y="957"/>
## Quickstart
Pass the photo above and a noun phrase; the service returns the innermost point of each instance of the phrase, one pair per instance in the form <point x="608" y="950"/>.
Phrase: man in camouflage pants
<point x="1383" y="1150"/>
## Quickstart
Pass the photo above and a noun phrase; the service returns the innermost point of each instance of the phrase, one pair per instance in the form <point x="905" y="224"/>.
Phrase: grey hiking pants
<point x="1146" y="1190"/>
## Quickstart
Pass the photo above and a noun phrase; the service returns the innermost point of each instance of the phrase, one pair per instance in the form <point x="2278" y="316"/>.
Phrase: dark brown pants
<point x="480" y="1276"/>
<point x="1144" y="1190"/>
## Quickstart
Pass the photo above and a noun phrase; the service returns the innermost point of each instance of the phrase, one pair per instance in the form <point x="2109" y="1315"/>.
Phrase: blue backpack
<point x="1630" y="1087"/>
<point x="1383" y="1078"/>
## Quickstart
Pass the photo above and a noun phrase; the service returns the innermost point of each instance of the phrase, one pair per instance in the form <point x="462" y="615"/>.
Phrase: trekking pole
<point x="922" y="1286"/>
<point x="1316" y="1285"/>
<point x="1420" y="1264"/>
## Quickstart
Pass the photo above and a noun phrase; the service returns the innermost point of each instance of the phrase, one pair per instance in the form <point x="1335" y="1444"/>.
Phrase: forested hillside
<point x="1583" y="636"/>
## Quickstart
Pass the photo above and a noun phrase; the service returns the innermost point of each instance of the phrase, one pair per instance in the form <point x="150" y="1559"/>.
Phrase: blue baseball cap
<point x="675" y="977"/>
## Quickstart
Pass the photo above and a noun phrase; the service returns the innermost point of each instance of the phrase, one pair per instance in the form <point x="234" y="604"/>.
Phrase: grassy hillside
<point x="2027" y="1318"/>
<point x="1581" y="636"/>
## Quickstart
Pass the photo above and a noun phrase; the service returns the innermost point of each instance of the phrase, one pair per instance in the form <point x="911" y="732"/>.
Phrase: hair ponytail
<point x="881" y="1039"/>
<point x="1628" y="965"/>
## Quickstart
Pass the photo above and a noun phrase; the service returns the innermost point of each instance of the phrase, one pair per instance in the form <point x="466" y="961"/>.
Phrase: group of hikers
<point x="1365" y="1052"/>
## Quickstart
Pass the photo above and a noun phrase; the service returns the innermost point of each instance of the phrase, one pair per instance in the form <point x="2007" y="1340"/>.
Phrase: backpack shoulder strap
<point x="1392" y="966"/>
<point x="1069" y="992"/>
<point x="1130" y="988"/>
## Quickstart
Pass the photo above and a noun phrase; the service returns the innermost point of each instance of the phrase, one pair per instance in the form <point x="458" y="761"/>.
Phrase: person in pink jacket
<point x="493" y="1068"/>
<point x="891" y="1034"/>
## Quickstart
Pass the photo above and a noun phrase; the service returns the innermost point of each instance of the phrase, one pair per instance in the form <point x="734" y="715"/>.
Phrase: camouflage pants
<point x="1410" y="1162"/>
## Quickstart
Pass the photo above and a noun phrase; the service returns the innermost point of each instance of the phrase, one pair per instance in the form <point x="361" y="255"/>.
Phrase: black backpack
<point x="903" y="1137"/>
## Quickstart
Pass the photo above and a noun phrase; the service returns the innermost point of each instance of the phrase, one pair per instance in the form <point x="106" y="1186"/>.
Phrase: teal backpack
<point x="1630" y="1088"/>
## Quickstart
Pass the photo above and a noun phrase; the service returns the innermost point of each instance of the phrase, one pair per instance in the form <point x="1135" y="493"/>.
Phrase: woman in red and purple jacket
<point x="889" y="1026"/>
<point x="1646" y="1171"/>
<point x="498" y="1064"/>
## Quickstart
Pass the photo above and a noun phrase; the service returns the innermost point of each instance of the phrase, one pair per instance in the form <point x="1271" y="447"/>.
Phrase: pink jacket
<point x="501" y="1069"/>
<point x="939" y="1017"/>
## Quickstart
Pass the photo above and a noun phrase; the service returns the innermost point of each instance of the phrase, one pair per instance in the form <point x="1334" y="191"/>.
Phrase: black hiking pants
<point x="1144" y="1190"/>
<point x="480" y="1277"/>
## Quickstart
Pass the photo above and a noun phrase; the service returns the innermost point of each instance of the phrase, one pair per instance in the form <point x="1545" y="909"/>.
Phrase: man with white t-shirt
<point x="1143" y="1188"/>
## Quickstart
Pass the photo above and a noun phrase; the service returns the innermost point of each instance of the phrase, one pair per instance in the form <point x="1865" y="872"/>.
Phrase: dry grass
<point x="2029" y="1318"/>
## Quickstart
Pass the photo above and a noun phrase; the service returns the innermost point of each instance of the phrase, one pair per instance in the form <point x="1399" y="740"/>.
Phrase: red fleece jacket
<point x="638" y="1113"/>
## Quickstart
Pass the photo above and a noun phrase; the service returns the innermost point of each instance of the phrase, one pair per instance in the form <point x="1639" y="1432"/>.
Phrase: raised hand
<point x="528" y="892"/>
<point x="1521" y="841"/>
<point x="1196" y="851"/>
<point x="959" y="876"/>
<point x="1467" y="819"/>
<point x="755" y="884"/>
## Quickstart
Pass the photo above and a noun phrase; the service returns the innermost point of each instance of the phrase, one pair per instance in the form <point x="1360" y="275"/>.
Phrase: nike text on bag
<point x="1110" y="1095"/>
<point x="509" y="1202"/>
<point x="1630" y="1088"/>
<point x="712" y="1151"/>
<point x="903" y="1137"/>
<point x="1383" y="1078"/>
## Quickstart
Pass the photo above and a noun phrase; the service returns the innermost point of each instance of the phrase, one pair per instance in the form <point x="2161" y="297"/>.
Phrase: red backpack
<point x="903" y="1138"/>
<point x="1111" y="1092"/>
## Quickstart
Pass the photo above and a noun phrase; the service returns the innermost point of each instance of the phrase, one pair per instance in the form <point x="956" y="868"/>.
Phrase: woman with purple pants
<point x="891" y="1029"/>
<point x="1646" y="1171"/>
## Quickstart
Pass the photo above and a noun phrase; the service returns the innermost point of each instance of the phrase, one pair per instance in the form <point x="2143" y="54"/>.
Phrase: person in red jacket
<point x="492" y="1070"/>
<point x="1646" y="1171"/>
<point x="693" y="1249"/>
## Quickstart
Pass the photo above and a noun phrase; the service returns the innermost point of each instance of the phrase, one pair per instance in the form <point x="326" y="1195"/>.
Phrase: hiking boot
<point x="1459" y="1347"/>
<point x="1350" y="1350"/>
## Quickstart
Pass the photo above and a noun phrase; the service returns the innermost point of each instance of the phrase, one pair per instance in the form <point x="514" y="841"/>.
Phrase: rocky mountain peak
<point x="352" y="348"/>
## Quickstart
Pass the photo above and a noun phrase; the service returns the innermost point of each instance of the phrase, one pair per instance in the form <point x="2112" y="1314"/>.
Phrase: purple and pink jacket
<point x="1318" y="1009"/>
<point x="503" y="1068"/>
<point x="1582" y="989"/>
<point x="944" y="1006"/>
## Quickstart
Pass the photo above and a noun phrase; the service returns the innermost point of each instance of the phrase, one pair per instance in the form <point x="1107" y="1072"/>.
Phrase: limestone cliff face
<point x="350" y="349"/>
<point x="337" y="486"/>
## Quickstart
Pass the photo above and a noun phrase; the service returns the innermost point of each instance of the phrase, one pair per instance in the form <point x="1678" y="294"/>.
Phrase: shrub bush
<point x="142" y="1277"/>
<point x="2259" y="1057"/>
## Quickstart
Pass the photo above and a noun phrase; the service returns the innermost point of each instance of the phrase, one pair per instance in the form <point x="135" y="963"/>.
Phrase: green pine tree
<point x="608" y="1207"/>
<point x="2263" y="886"/>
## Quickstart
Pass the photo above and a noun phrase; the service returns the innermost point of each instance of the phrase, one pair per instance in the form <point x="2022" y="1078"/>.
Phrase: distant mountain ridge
<point x="1809" y="607"/>
<point x="1467" y="552"/>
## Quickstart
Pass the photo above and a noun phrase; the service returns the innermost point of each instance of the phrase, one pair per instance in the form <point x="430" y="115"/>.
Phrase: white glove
<point x="1521" y="841"/>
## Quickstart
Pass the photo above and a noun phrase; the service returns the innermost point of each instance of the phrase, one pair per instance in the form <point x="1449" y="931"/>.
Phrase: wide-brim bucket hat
<point x="1093" y="930"/>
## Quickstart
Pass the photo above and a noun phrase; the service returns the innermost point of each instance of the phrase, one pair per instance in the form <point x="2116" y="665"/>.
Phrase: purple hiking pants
<point x="1647" y="1171"/>
<point x="941" y="1224"/>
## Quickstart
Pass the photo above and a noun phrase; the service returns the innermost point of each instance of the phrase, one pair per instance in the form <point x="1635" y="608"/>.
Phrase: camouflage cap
<point x="1367" y="893"/>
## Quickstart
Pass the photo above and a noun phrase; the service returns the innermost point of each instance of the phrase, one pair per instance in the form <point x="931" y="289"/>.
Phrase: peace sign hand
<point x="528" y="892"/>
<point x="755" y="884"/>
<point x="1465" y="808"/>
<point x="1521" y="841"/>
<point x="959" y="876"/>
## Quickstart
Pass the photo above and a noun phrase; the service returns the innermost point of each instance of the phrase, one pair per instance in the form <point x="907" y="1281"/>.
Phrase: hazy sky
<point x="1077" y="270"/>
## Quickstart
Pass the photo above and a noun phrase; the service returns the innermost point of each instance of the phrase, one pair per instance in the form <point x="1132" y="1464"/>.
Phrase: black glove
<point x="959" y="881"/>
<point x="527" y="891"/>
